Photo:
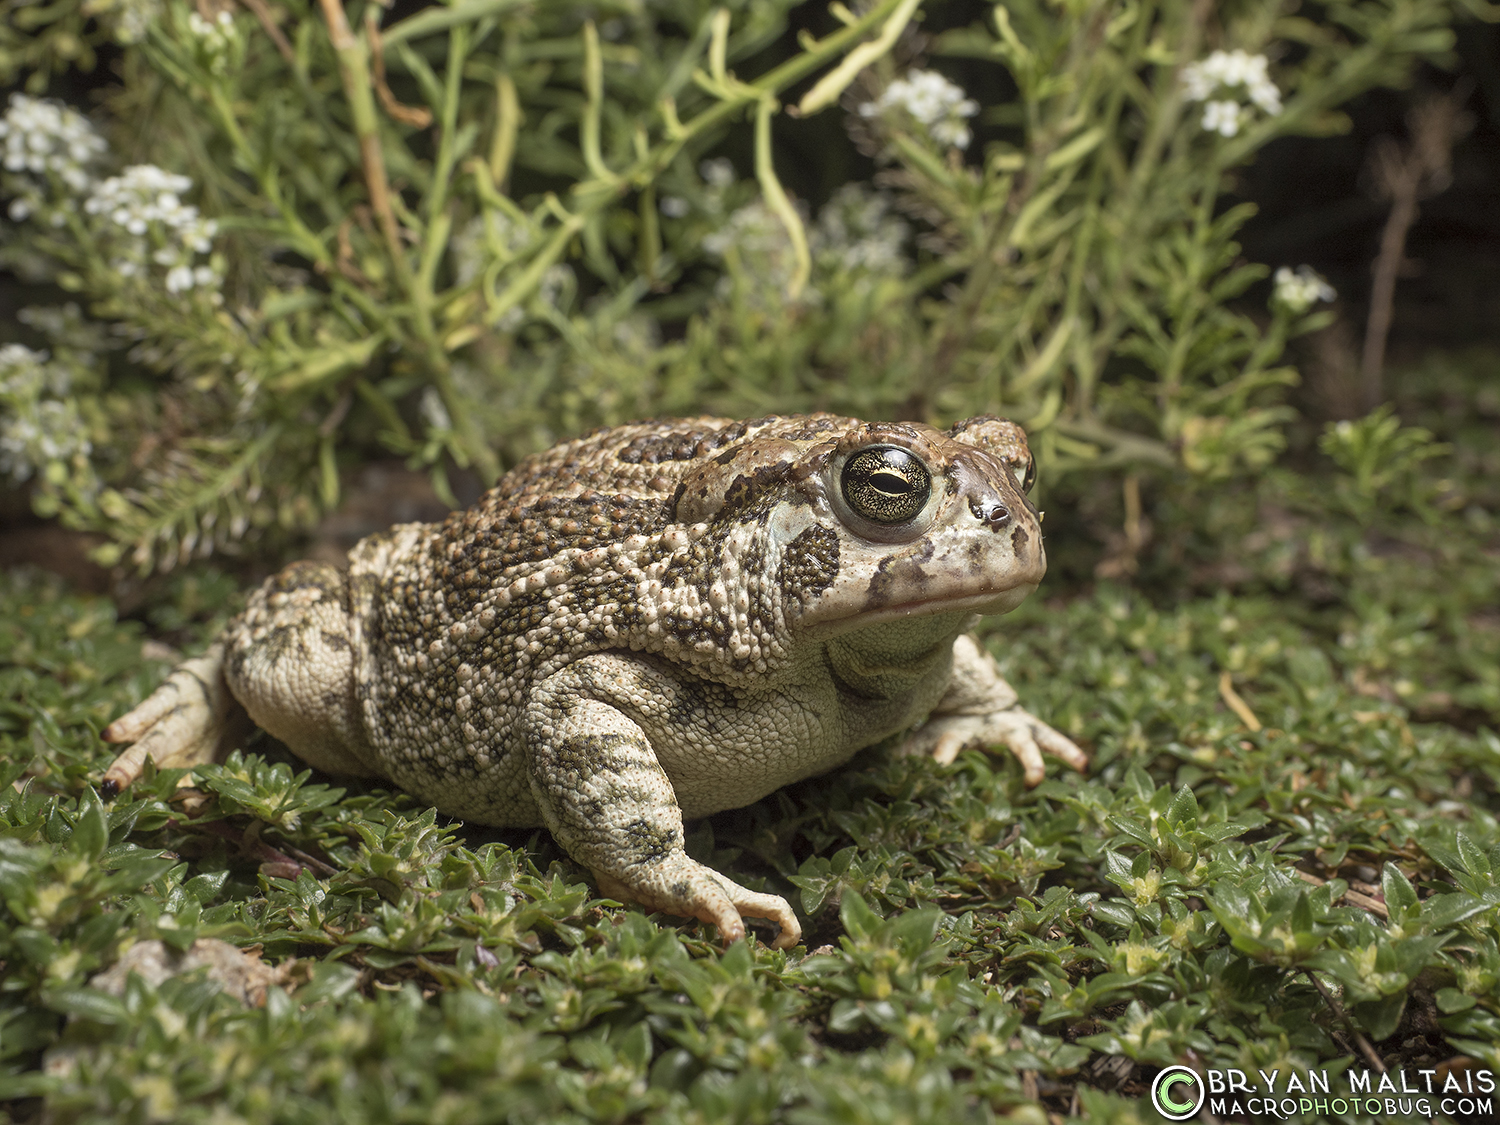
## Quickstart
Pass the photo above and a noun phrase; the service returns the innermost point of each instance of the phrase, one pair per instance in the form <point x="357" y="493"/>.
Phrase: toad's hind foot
<point x="188" y="721"/>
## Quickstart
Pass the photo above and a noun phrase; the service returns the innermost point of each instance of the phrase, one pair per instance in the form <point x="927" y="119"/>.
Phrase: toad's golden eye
<point x="886" y="484"/>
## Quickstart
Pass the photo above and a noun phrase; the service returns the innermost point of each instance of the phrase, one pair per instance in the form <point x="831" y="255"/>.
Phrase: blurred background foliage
<point x="286" y="239"/>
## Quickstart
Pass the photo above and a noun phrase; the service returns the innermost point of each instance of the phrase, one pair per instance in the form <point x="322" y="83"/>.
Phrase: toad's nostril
<point x="989" y="512"/>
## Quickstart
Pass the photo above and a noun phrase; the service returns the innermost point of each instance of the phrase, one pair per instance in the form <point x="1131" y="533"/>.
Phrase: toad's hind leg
<point x="288" y="660"/>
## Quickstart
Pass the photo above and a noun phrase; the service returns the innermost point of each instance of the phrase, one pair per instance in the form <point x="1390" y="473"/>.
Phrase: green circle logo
<point x="1176" y="1092"/>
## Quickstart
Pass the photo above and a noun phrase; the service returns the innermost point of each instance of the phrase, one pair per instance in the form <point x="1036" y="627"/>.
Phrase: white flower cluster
<point x="717" y="172"/>
<point x="934" y="101"/>
<point x="215" y="38"/>
<point x="45" y="139"/>
<point x="718" y="177"/>
<point x="751" y="232"/>
<point x="855" y="241"/>
<point x="146" y="203"/>
<point x="487" y="236"/>
<point x="50" y="155"/>
<point x="493" y="236"/>
<point x="1299" y="290"/>
<point x="127" y="20"/>
<point x="216" y="32"/>
<point x="1226" y="72"/>
<point x="857" y="233"/>
<point x="758" y="257"/>
<point x="39" y="423"/>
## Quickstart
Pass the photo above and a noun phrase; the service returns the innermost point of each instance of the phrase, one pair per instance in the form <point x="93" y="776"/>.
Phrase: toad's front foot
<point x="980" y="709"/>
<point x="1027" y="737"/>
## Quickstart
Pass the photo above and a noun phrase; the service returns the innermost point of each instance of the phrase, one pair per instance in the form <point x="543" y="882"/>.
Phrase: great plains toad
<point x="653" y="622"/>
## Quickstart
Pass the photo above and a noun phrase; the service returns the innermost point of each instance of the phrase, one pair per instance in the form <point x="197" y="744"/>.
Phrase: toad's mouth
<point x="831" y="620"/>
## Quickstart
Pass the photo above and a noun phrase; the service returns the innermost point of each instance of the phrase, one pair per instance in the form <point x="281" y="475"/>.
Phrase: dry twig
<point x="1404" y="175"/>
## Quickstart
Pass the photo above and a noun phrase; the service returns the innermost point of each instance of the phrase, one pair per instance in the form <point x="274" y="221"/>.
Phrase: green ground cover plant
<point x="974" y="949"/>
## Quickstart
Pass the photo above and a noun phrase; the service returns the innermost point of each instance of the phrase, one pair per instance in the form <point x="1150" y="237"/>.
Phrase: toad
<point x="654" y="622"/>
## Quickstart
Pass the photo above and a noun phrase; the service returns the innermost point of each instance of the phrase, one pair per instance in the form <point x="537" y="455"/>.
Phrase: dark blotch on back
<point x="648" y="842"/>
<point x="747" y="488"/>
<point x="306" y="575"/>
<point x="680" y="445"/>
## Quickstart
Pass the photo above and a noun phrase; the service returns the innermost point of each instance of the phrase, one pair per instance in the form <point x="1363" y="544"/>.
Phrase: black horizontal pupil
<point x="889" y="480"/>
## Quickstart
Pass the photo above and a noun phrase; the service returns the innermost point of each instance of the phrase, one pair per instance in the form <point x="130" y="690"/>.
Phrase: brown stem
<point x="1404" y="186"/>
<point x="262" y="12"/>
<point x="352" y="59"/>
<point x="1343" y="1017"/>
<point x="418" y="117"/>
<point x="1405" y="175"/>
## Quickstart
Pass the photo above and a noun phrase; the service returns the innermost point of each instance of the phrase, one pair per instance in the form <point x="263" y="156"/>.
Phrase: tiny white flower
<point x="38" y="423"/>
<point x="1222" y="118"/>
<point x="132" y="18"/>
<point x="434" y="411"/>
<point x="674" y="206"/>
<point x="214" y="37"/>
<point x="146" y="220"/>
<point x="488" y="235"/>
<point x="758" y="251"/>
<point x="46" y="145"/>
<point x="717" y="173"/>
<point x="1298" y="290"/>
<point x="933" y="101"/>
<point x="1230" y="73"/>
<point x="858" y="233"/>
<point x="556" y="278"/>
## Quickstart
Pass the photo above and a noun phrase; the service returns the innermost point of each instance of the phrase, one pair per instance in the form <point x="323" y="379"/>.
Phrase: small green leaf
<point x="1380" y="1018"/>
<point x="90" y="830"/>
<point x="89" y="1004"/>
<point x="1451" y="1000"/>
<point x="1399" y="893"/>
<point x="1183" y="811"/>
<point x="858" y="919"/>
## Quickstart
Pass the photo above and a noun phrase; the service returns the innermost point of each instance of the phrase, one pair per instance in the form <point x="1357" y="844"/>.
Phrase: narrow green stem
<point x="307" y="243"/>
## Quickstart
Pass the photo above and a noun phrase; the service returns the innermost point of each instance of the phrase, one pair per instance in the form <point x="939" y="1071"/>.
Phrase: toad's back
<point x="577" y="550"/>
